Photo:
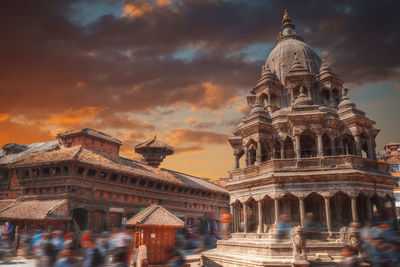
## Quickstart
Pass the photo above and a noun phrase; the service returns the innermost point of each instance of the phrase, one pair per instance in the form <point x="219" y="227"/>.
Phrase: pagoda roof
<point x="155" y="215"/>
<point x="91" y="132"/>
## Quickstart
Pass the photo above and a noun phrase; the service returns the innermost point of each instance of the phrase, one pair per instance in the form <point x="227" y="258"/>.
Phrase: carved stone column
<point x="282" y="149"/>
<point x="272" y="149"/>
<point x="320" y="145"/>
<point x="358" y="145"/>
<point x="341" y="148"/>
<point x="333" y="147"/>
<point x="246" y="156"/>
<point x="302" y="212"/>
<point x="328" y="214"/>
<point x="237" y="161"/>
<point x="245" y="217"/>
<point x="394" y="214"/>
<point x="297" y="145"/>
<point x="260" y="217"/>
<point x="354" y="208"/>
<point x="259" y="154"/>
<point x="276" y="207"/>
<point x="374" y="148"/>
<point x="370" y="153"/>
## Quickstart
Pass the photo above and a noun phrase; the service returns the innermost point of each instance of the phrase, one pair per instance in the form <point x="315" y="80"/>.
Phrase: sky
<point x="178" y="69"/>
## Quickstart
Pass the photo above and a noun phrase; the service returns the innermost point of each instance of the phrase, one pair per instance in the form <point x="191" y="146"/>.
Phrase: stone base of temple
<point x="265" y="251"/>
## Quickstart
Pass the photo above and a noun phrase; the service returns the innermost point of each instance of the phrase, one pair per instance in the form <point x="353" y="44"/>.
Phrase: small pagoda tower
<point x="154" y="151"/>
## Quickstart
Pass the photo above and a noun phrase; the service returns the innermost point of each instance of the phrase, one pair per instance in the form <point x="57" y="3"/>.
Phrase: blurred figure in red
<point x="225" y="221"/>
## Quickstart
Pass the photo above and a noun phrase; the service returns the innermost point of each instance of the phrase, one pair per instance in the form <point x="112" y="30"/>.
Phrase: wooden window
<point x="133" y="180"/>
<point x="166" y="187"/>
<point x="46" y="171"/>
<point x="81" y="170"/>
<point x="150" y="184"/>
<point x="26" y="174"/>
<point x="124" y="179"/>
<point x="158" y="186"/>
<point x="142" y="182"/>
<point x="91" y="172"/>
<point x="56" y="171"/>
<point x="66" y="171"/>
<point x="36" y="172"/>
<point x="113" y="177"/>
<point x="103" y="174"/>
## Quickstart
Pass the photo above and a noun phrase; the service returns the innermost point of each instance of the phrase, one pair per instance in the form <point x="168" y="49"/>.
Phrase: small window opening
<point x="142" y="182"/>
<point x="81" y="170"/>
<point x="133" y="180"/>
<point x="102" y="174"/>
<point x="91" y="172"/>
<point x="124" y="179"/>
<point x="113" y="177"/>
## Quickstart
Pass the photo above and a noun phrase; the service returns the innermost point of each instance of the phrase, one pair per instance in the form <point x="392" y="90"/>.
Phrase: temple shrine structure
<point x="305" y="148"/>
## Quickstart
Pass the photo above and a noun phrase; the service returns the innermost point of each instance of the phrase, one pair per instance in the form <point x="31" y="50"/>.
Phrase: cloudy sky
<point x="179" y="69"/>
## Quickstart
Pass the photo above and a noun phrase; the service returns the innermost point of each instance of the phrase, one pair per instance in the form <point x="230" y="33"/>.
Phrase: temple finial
<point x="285" y="16"/>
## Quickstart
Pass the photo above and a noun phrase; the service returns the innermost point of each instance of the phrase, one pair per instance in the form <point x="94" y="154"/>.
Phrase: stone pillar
<point x="333" y="147"/>
<point x="276" y="206"/>
<point x="297" y="146"/>
<point x="328" y="215"/>
<point x="259" y="155"/>
<point x="272" y="149"/>
<point x="358" y="145"/>
<point x="370" y="153"/>
<point x="269" y="99"/>
<point x="341" y="148"/>
<point x="302" y="212"/>
<point x="237" y="161"/>
<point x="394" y="214"/>
<point x="373" y="148"/>
<point x="260" y="217"/>
<point x="282" y="149"/>
<point x="246" y="156"/>
<point x="369" y="208"/>
<point x="354" y="208"/>
<point x="245" y="217"/>
<point x="320" y="145"/>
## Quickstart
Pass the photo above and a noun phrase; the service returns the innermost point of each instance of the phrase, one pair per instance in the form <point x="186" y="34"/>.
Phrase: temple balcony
<point x="307" y="164"/>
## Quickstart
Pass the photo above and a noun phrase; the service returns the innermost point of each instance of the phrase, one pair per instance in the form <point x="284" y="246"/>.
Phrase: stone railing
<point x="316" y="163"/>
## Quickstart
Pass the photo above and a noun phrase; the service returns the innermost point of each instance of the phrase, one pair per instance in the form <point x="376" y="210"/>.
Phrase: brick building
<point x="80" y="181"/>
<point x="391" y="155"/>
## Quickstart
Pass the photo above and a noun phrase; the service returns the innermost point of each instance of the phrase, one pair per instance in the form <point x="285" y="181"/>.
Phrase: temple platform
<point x="261" y="250"/>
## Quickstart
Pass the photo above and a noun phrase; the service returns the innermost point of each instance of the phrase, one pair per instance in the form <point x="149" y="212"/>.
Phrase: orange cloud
<point x="191" y="120"/>
<point x="136" y="9"/>
<point x="74" y="117"/>
<point x="163" y="2"/>
<point x="243" y="109"/>
<point x="80" y="84"/>
<point x="4" y="116"/>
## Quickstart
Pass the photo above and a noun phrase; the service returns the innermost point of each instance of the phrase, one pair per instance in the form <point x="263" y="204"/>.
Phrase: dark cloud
<point x="50" y="63"/>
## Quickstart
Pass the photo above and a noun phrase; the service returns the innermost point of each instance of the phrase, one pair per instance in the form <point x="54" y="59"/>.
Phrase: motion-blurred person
<point x="57" y="241"/>
<point x="283" y="227"/>
<point x="119" y="260"/>
<point x="310" y="226"/>
<point x="175" y="259"/>
<point x="349" y="259"/>
<point x="393" y="254"/>
<point x="225" y="221"/>
<point x="44" y="251"/>
<point x="67" y="259"/>
<point x="93" y="256"/>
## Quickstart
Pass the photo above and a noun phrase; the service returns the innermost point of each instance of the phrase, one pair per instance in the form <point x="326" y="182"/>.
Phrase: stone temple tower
<point x="154" y="151"/>
<point x="305" y="148"/>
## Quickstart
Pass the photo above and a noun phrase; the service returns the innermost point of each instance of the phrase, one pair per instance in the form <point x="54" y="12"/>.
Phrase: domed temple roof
<point x="289" y="45"/>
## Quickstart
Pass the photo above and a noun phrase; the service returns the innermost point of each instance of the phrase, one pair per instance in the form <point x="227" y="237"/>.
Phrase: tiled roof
<point x="28" y="150"/>
<point x="154" y="143"/>
<point x="155" y="215"/>
<point x="5" y="203"/>
<point x="119" y="164"/>
<point x="34" y="210"/>
<point x="91" y="132"/>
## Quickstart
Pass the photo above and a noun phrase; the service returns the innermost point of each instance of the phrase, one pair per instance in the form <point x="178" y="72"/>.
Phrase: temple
<point x="304" y="148"/>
